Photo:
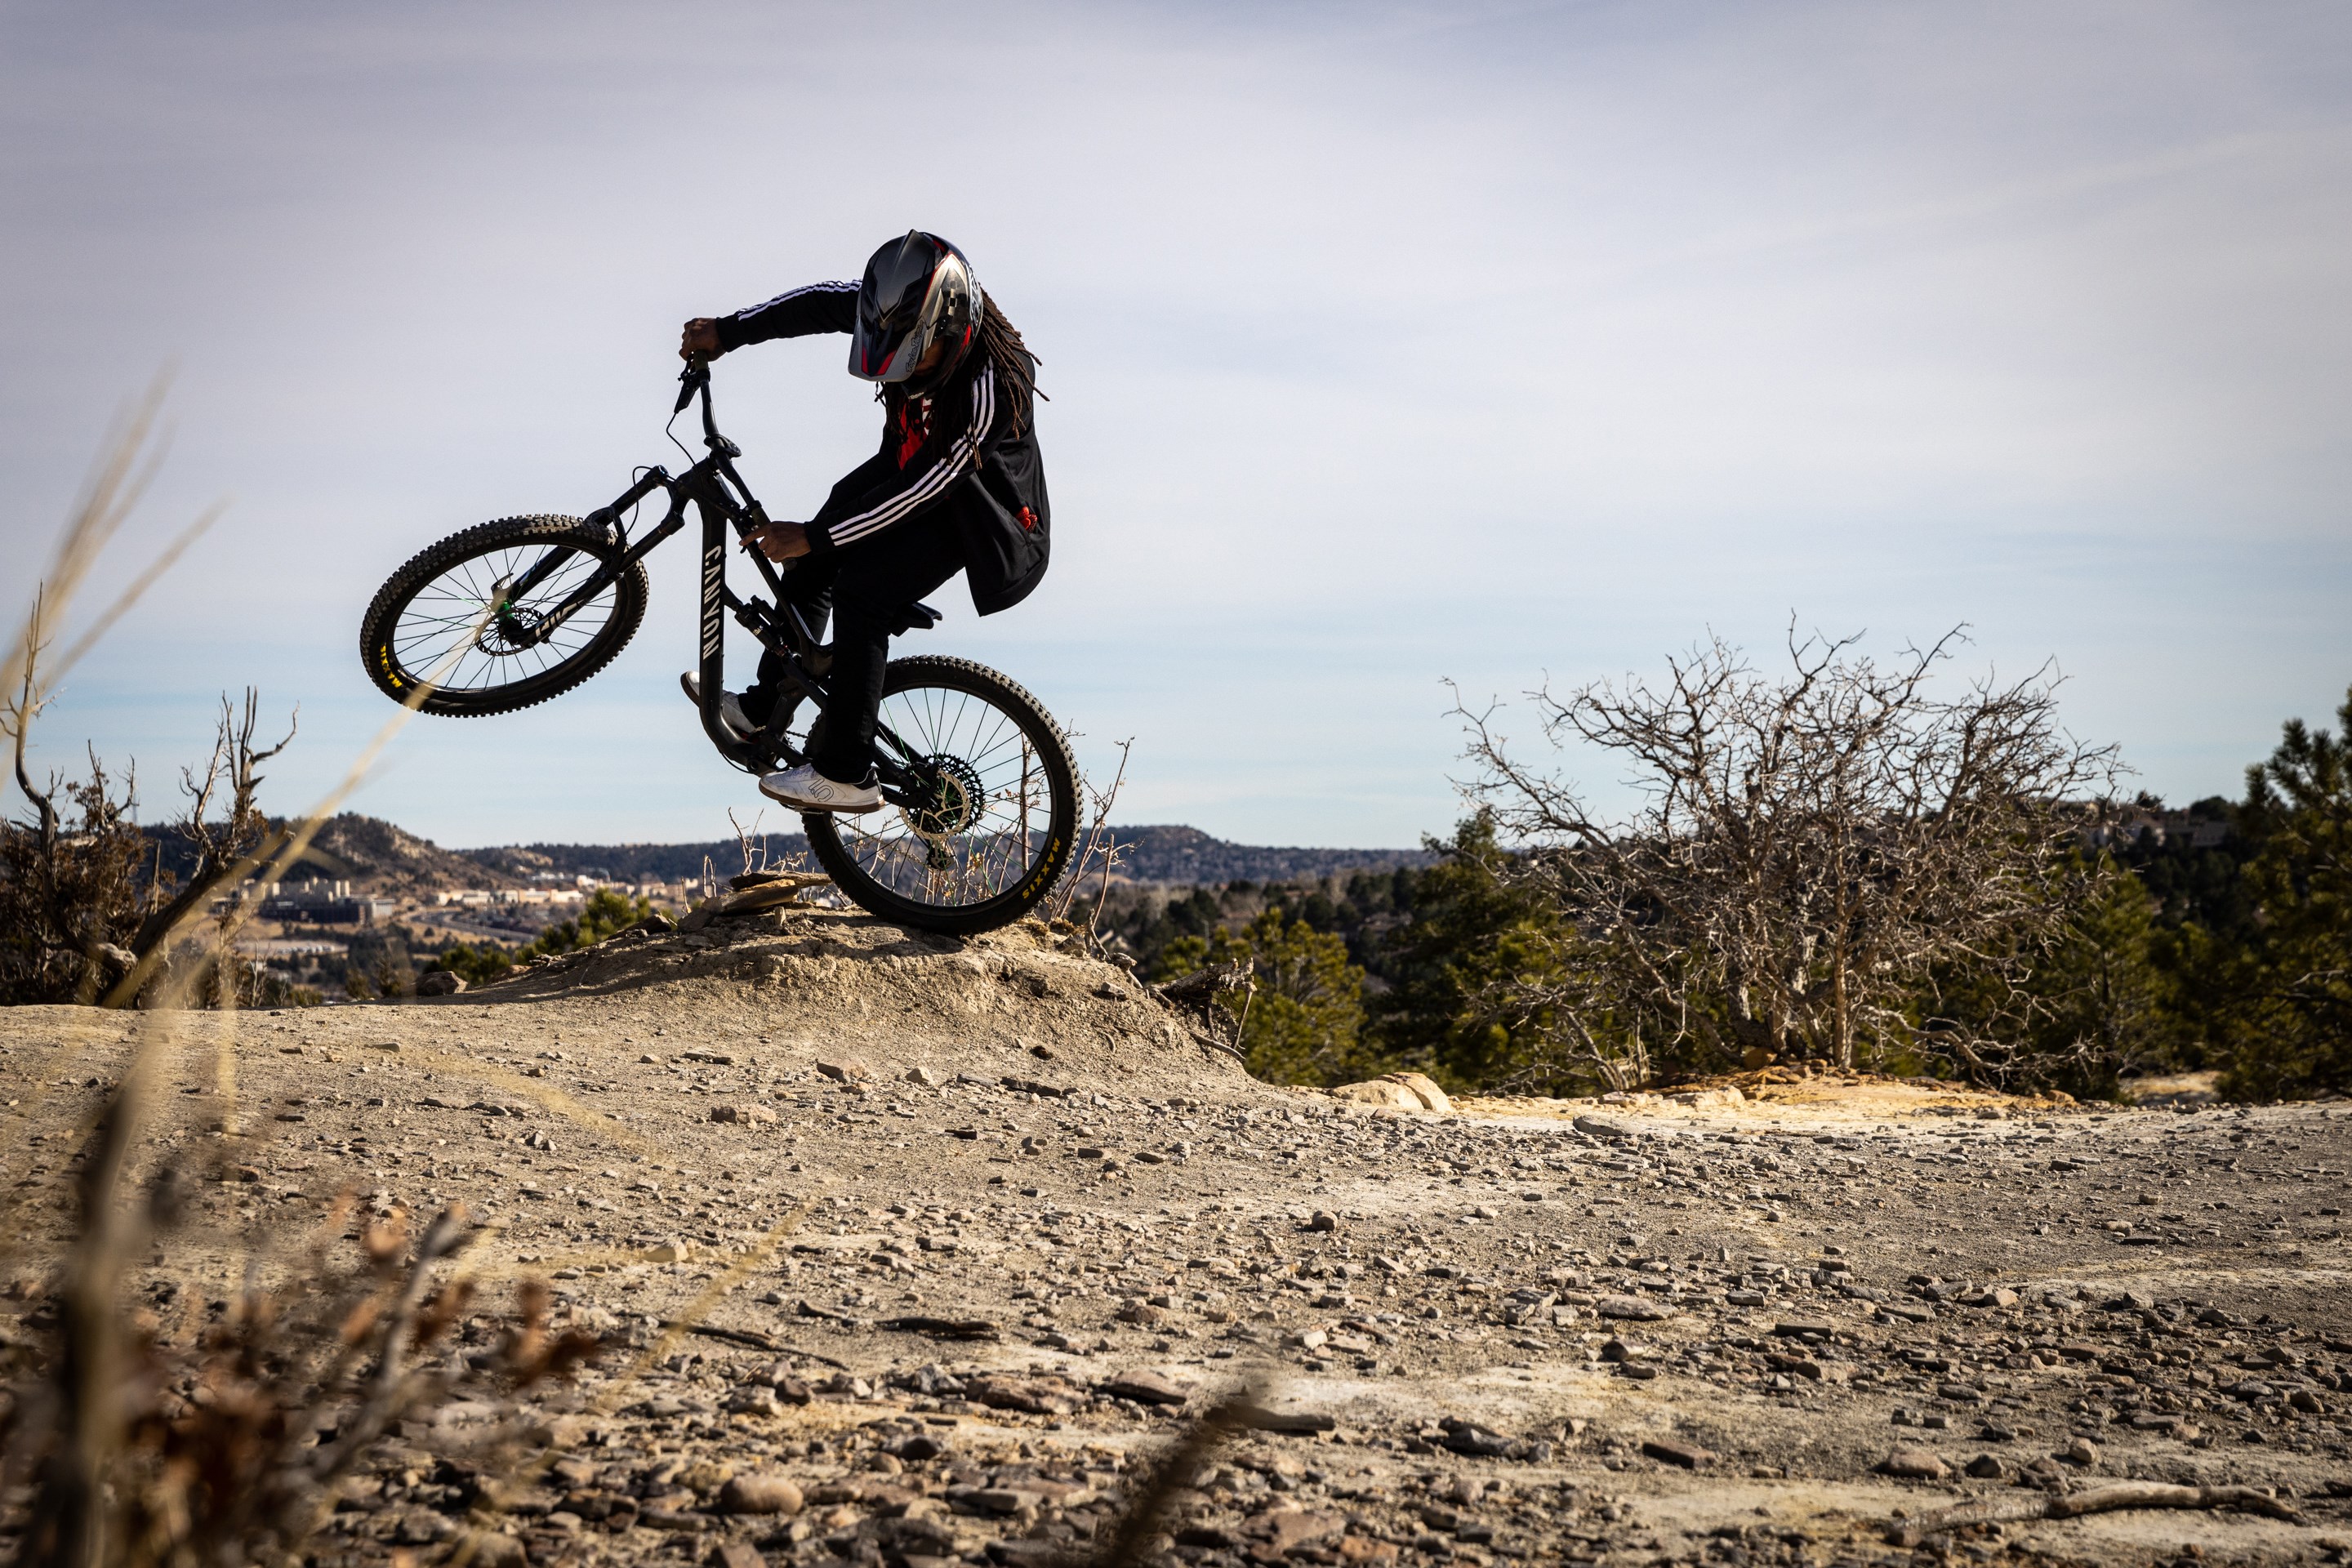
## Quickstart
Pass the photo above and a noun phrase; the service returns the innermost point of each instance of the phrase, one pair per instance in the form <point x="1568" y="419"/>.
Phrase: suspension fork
<point x="605" y="517"/>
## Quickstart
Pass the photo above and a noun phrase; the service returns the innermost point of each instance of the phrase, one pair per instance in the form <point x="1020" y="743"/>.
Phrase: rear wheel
<point x="476" y="617"/>
<point x="992" y="819"/>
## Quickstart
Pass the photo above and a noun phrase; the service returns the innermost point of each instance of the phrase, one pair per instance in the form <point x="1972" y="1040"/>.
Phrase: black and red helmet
<point x="918" y="292"/>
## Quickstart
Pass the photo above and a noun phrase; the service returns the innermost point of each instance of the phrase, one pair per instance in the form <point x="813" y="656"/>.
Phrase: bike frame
<point x="729" y="512"/>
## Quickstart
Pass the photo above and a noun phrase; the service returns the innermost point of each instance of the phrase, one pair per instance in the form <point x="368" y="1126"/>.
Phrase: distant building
<point x="2149" y="827"/>
<point x="322" y="903"/>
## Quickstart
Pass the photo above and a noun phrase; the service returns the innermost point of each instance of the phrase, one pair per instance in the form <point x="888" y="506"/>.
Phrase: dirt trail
<point x="1675" y="1333"/>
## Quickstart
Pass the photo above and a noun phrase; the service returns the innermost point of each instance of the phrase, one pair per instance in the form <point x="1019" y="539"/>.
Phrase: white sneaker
<point x="806" y="790"/>
<point x="731" y="717"/>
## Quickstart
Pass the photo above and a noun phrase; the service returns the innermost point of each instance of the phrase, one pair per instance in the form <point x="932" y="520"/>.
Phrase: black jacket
<point x="949" y="448"/>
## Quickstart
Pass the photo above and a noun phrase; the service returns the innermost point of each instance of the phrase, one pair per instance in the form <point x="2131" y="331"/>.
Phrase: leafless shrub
<point x="71" y="898"/>
<point x="223" y="1444"/>
<point x="1810" y="851"/>
<point x="1099" y="853"/>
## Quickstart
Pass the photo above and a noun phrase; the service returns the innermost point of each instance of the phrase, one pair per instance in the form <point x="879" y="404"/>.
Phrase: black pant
<point x="867" y="588"/>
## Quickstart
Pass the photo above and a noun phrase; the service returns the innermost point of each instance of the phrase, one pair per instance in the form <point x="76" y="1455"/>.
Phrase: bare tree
<point x="81" y="920"/>
<point x="1811" y="853"/>
<point x="69" y="889"/>
<point x="229" y="843"/>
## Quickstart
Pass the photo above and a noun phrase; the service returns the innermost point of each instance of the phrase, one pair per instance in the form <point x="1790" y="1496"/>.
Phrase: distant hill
<point x="371" y="854"/>
<point x="1161" y="854"/>
<point x="627" y="862"/>
<point x="1187" y="855"/>
<point x="381" y="858"/>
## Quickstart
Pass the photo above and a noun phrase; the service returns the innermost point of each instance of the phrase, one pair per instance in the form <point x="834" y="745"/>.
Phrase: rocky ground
<point x="907" y="1250"/>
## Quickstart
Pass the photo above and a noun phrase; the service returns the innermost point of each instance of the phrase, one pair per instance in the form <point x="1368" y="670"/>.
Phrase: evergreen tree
<point x="1470" y="933"/>
<point x="1302" y="1022"/>
<point x="2278" y="1002"/>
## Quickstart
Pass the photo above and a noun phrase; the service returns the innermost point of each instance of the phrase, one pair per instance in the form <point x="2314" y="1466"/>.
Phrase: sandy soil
<point x="1669" y="1332"/>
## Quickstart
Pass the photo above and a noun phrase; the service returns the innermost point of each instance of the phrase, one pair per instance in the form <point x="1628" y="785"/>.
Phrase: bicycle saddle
<point x="918" y="618"/>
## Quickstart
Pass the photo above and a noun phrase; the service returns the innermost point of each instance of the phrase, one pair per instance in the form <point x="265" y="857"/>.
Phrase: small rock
<point x="493" y="1548"/>
<point x="1400" y="1090"/>
<point x="1469" y="1437"/>
<point x="1423" y="1088"/>
<point x="923" y="1077"/>
<point x="1295" y="1422"/>
<point x="1145" y="1388"/>
<point x="1689" y="1456"/>
<point x="760" y="1493"/>
<point x="1987" y="1467"/>
<point x="848" y="1071"/>
<point x="1379" y="1091"/>
<point x="742" y="1115"/>
<point x="1604" y="1128"/>
<point x="1914" y="1463"/>
<point x="2082" y="1451"/>
<point x="440" y="983"/>
<point x="669" y="1252"/>
<point x="1633" y="1308"/>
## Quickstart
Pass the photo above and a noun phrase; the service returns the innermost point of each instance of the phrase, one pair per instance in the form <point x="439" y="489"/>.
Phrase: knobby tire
<point x="392" y="655"/>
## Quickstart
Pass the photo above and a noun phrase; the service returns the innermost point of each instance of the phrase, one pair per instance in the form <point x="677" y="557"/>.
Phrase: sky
<point x="1387" y="345"/>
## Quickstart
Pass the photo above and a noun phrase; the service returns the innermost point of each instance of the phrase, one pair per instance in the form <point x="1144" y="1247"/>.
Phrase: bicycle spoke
<point x="449" y="611"/>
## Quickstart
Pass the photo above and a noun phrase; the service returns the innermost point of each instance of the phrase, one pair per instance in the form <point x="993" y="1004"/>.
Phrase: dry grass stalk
<point x="1099" y="852"/>
<point x="127" y="463"/>
<point x="226" y="1444"/>
<point x="1128" y="1543"/>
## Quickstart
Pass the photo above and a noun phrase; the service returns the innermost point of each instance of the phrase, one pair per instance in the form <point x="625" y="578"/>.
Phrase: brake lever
<point x="690" y="379"/>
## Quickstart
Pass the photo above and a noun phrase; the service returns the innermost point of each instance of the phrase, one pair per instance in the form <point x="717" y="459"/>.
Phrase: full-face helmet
<point x="918" y="292"/>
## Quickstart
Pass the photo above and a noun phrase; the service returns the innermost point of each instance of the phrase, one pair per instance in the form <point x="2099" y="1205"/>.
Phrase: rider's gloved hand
<point x="779" y="541"/>
<point x="700" y="336"/>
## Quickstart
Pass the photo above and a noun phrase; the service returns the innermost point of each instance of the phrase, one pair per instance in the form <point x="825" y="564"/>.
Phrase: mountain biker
<point x="958" y="486"/>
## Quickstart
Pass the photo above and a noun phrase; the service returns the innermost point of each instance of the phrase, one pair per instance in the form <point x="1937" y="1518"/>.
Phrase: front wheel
<point x="991" y="821"/>
<point x="503" y="617"/>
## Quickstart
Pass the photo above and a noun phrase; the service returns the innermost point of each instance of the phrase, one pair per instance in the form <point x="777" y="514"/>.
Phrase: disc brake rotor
<point x="509" y="628"/>
<point x="945" y="801"/>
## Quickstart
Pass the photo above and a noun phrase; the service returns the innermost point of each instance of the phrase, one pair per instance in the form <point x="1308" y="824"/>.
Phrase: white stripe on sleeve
<point x="937" y="479"/>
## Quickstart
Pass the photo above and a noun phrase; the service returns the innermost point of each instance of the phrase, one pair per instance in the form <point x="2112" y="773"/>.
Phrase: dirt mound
<point x="838" y="982"/>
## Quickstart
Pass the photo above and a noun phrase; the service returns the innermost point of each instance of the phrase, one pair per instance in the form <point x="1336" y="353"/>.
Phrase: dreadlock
<point x="1016" y="367"/>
